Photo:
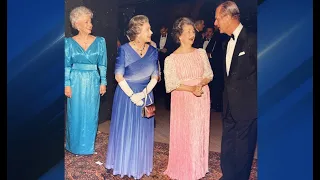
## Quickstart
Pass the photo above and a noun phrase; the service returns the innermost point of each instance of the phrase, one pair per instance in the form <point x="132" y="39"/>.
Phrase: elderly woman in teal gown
<point x="85" y="81"/>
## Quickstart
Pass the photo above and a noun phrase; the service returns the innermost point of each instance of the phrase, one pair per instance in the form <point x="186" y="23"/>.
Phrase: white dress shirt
<point x="162" y="42"/>
<point x="205" y="43"/>
<point x="231" y="46"/>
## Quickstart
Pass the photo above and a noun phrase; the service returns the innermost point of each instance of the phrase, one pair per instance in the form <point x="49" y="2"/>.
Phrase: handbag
<point x="148" y="111"/>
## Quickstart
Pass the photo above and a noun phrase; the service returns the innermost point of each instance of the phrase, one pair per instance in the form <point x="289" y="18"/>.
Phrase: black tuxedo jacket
<point x="215" y="44"/>
<point x="169" y="45"/>
<point x="198" y="40"/>
<point x="240" y="87"/>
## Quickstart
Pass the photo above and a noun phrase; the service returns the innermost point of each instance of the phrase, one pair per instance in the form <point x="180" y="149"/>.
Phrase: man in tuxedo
<point x="164" y="43"/>
<point x="207" y="37"/>
<point x="198" y="40"/>
<point x="165" y="47"/>
<point x="216" y="58"/>
<point x="239" y="134"/>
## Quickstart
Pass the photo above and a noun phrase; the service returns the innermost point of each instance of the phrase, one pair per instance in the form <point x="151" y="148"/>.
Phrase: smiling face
<point x="188" y="34"/>
<point x="84" y="24"/>
<point x="145" y="34"/>
<point x="222" y="20"/>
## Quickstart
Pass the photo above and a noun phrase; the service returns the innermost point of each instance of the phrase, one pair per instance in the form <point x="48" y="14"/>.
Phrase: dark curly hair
<point x="177" y="28"/>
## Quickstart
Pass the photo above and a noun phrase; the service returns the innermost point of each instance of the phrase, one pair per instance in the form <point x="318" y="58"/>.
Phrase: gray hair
<point x="198" y="22"/>
<point x="230" y="8"/>
<point x="135" y="24"/>
<point x="177" y="29"/>
<point x="77" y="12"/>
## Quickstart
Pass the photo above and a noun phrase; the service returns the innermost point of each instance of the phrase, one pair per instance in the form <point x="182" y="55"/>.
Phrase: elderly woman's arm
<point x="172" y="81"/>
<point x="208" y="74"/>
<point x="67" y="69"/>
<point x="102" y="65"/>
<point x="119" y="72"/>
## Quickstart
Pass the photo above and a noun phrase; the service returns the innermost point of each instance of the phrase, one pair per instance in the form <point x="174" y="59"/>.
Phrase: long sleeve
<point x="119" y="66"/>
<point x="67" y="63"/>
<point x="172" y="81"/>
<point x="102" y="63"/>
<point x="207" y="68"/>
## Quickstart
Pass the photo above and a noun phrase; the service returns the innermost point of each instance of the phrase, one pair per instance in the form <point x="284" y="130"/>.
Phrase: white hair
<point x="77" y="12"/>
<point x="230" y="8"/>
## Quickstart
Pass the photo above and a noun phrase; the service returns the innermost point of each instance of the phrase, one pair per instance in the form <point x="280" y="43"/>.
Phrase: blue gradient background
<point x="285" y="75"/>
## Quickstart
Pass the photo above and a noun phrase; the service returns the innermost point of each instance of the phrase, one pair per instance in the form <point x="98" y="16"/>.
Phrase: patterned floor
<point x="88" y="168"/>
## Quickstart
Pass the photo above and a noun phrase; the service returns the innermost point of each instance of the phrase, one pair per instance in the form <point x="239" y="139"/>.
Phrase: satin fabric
<point x="130" y="145"/>
<point x="85" y="71"/>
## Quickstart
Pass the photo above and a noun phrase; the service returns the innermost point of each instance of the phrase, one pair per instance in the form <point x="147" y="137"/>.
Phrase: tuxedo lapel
<point x="158" y="41"/>
<point x="212" y="44"/>
<point x="165" y="44"/>
<point x="224" y="48"/>
<point x="238" y="48"/>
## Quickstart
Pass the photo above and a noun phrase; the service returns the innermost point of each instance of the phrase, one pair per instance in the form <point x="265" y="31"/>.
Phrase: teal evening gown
<point x="85" y="71"/>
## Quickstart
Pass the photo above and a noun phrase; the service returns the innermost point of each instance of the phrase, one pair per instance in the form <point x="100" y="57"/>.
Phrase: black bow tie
<point x="232" y="36"/>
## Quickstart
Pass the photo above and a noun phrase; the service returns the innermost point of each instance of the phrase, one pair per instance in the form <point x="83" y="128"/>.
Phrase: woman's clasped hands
<point x="197" y="90"/>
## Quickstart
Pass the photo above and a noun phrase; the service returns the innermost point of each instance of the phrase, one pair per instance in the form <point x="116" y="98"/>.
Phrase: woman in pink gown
<point x="187" y="72"/>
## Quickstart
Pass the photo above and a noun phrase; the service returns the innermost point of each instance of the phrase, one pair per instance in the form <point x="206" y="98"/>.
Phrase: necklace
<point x="141" y="50"/>
<point x="85" y="42"/>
